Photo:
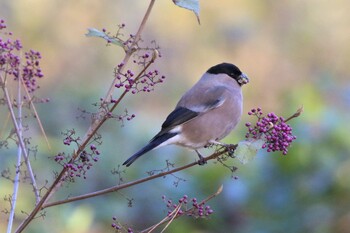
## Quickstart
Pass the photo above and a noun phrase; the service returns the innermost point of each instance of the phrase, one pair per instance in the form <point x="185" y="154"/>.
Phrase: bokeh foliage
<point x="295" y="53"/>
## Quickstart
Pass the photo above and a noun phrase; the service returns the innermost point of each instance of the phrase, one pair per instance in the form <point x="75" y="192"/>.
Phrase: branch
<point x="174" y="216"/>
<point x="40" y="206"/>
<point x="164" y="220"/>
<point x="20" y="138"/>
<point x="19" y="156"/>
<point x="224" y="149"/>
<point x="131" y="50"/>
<point x="93" y="127"/>
<point x="31" y="103"/>
<point x="129" y="184"/>
<point x="296" y="114"/>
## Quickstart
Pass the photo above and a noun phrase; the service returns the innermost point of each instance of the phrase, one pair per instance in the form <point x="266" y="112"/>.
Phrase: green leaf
<point x="93" y="32"/>
<point x="192" y="5"/>
<point x="247" y="150"/>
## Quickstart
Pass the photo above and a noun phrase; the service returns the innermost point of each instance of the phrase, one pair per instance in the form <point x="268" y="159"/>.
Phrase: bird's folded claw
<point x="202" y="161"/>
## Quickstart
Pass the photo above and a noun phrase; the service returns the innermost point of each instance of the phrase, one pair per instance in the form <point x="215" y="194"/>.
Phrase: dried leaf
<point x="247" y="150"/>
<point x="192" y="5"/>
<point x="93" y="32"/>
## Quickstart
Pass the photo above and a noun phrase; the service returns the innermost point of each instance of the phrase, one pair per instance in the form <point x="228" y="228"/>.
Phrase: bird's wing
<point x="190" y="106"/>
<point x="179" y="116"/>
<point x="203" y="99"/>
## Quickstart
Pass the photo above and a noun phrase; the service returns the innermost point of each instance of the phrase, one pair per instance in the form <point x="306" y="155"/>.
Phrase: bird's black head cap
<point x="226" y="68"/>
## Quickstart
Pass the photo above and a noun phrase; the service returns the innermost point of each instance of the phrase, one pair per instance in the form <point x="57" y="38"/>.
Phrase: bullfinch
<point x="205" y="114"/>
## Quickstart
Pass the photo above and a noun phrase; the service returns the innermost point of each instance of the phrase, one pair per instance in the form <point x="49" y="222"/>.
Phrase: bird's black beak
<point x="243" y="79"/>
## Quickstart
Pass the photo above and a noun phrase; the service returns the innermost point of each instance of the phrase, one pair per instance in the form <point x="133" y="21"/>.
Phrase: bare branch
<point x="177" y="209"/>
<point x="129" y="184"/>
<point x="222" y="150"/>
<point x="94" y="126"/>
<point x="296" y="114"/>
<point x="16" y="181"/>
<point x="20" y="138"/>
<point x="35" y="113"/>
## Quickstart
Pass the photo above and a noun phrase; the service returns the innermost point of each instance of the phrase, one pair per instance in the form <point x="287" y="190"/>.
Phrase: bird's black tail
<point x="156" y="141"/>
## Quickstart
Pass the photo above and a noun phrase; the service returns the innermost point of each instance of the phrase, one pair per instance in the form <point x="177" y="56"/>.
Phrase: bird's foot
<point x="229" y="147"/>
<point x="201" y="160"/>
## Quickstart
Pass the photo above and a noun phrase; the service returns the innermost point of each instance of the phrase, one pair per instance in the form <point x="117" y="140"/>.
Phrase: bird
<point x="205" y="114"/>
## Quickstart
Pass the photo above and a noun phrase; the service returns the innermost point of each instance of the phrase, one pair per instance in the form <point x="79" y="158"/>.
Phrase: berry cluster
<point x="117" y="37"/>
<point x="10" y="62"/>
<point x="127" y="43"/>
<point x="188" y="207"/>
<point x="70" y="137"/>
<point x="31" y="70"/>
<point x="79" y="167"/>
<point x="144" y="82"/>
<point x="116" y="225"/>
<point x="273" y="129"/>
<point x="86" y="159"/>
<point x="126" y="116"/>
<point x="2" y="24"/>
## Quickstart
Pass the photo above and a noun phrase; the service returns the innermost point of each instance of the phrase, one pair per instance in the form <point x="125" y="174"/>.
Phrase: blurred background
<point x="296" y="53"/>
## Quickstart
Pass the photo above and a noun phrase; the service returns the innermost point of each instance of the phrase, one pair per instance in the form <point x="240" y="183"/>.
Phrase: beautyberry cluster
<point x="70" y="137"/>
<point x="121" y="117"/>
<point x="144" y="82"/>
<point x="79" y="167"/>
<point x="119" y="37"/>
<point x="31" y="70"/>
<point x="116" y="225"/>
<point x="189" y="207"/>
<point x="86" y="159"/>
<point x="2" y="24"/>
<point x="110" y="38"/>
<point x="273" y="129"/>
<point x="10" y="62"/>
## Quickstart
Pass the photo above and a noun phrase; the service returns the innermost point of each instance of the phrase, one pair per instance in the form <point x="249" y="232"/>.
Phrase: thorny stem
<point x="93" y="127"/>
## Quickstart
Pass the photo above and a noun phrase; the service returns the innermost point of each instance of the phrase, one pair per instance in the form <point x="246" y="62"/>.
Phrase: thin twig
<point x="19" y="155"/>
<point x="215" y="155"/>
<point x="20" y="139"/>
<point x="126" y="59"/>
<point x="296" y="114"/>
<point x="131" y="50"/>
<point x="90" y="132"/>
<point x="164" y="220"/>
<point x="36" y="114"/>
<point x="4" y="124"/>
<point x="167" y="218"/>
<point x="172" y="218"/>
<point x="213" y="195"/>
<point x="132" y="183"/>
